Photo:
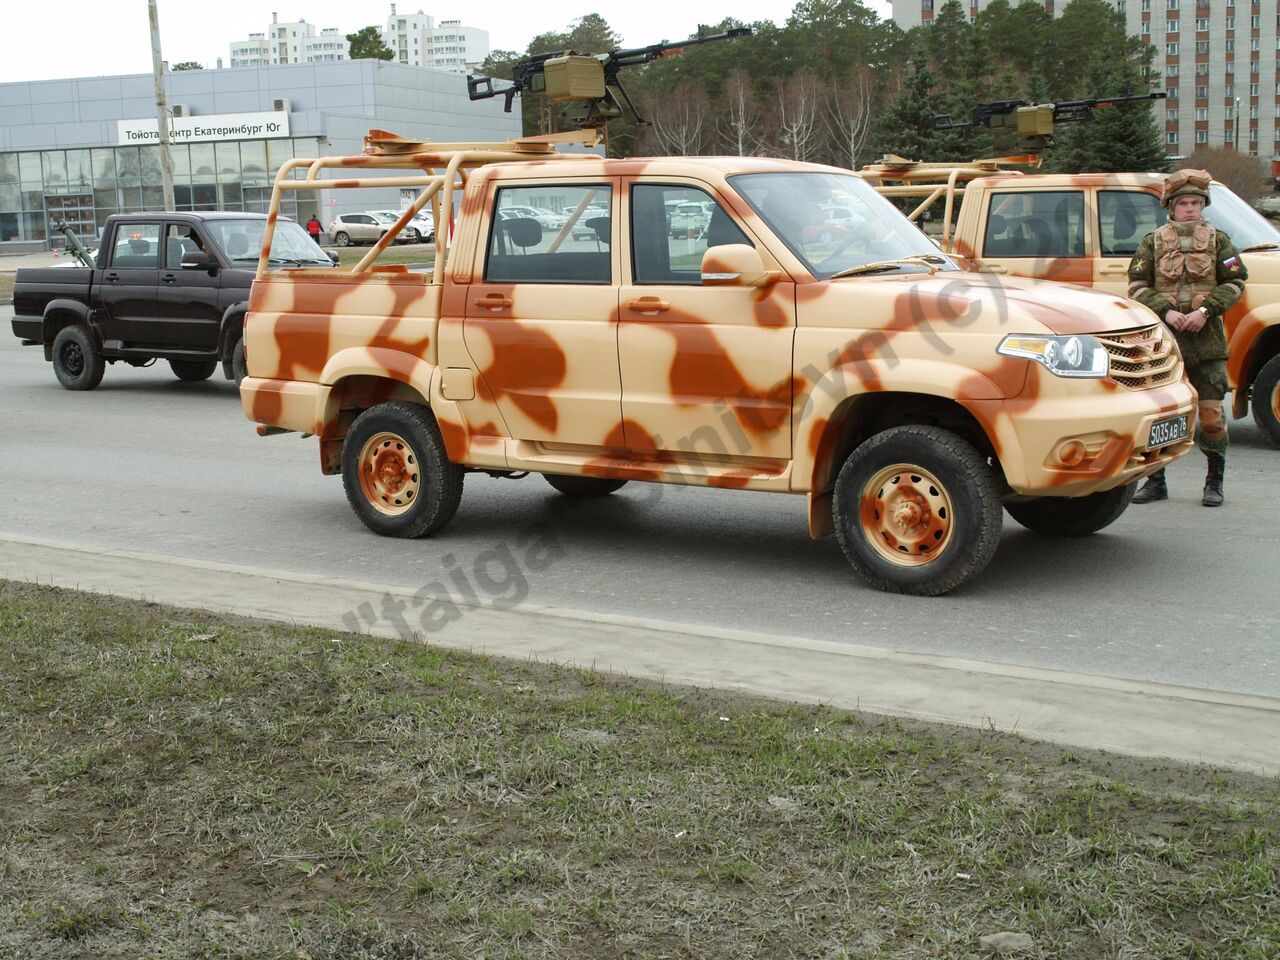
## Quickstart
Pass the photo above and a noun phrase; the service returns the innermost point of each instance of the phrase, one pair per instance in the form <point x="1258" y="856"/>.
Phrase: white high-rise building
<point x="1215" y="59"/>
<point x="296" y="42"/>
<point x="415" y="39"/>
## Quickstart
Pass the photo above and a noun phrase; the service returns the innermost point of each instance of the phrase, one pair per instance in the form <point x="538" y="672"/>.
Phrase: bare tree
<point x="739" y="125"/>
<point x="1245" y="175"/>
<point x="848" y="115"/>
<point x="799" y="110"/>
<point x="682" y="123"/>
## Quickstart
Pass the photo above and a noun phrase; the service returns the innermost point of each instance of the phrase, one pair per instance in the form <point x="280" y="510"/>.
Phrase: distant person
<point x="314" y="228"/>
<point x="1190" y="274"/>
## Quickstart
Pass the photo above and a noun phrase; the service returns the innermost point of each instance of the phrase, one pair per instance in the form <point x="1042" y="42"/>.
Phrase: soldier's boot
<point x="1153" y="489"/>
<point x="1213" y="482"/>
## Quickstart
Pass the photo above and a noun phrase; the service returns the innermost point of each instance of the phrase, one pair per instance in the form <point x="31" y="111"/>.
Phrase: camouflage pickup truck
<point x="907" y="400"/>
<point x="1084" y="229"/>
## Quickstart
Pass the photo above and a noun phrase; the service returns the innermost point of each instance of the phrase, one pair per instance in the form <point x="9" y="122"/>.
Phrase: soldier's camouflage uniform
<point x="1214" y="286"/>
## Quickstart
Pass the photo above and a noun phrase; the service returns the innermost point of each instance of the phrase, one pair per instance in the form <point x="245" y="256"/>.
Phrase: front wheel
<point x="917" y="510"/>
<point x="1266" y="400"/>
<point x="342" y="239"/>
<point x="239" y="361"/>
<point x="192" y="371"/>
<point x="77" y="361"/>
<point x="1073" y="516"/>
<point x="583" y="487"/>
<point x="398" y="478"/>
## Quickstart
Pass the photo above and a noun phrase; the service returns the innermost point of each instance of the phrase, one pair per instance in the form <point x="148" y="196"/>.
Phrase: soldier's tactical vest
<point x="1186" y="263"/>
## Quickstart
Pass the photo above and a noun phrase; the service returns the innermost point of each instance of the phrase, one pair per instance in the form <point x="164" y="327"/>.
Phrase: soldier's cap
<point x="1186" y="183"/>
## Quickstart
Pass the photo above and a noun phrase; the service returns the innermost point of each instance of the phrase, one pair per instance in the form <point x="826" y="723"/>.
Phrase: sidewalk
<point x="1123" y="716"/>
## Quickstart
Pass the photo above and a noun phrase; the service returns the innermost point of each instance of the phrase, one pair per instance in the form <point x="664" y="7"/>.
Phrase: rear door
<point x="1040" y="234"/>
<point x="187" y="300"/>
<point x="1125" y="216"/>
<point x="127" y="291"/>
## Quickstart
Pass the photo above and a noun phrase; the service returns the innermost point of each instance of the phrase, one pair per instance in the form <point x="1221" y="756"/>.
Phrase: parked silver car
<point x="419" y="229"/>
<point x="354" y="228"/>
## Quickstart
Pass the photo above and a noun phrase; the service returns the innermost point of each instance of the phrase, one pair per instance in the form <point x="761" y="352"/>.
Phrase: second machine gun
<point x="587" y="78"/>
<point x="1021" y="124"/>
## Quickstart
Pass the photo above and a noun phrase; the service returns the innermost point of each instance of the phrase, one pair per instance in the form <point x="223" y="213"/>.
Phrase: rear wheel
<point x="397" y="476"/>
<point x="917" y="510"/>
<point x="77" y="361"/>
<point x="585" y="487"/>
<point x="342" y="239"/>
<point x="1266" y="400"/>
<point x="1073" y="516"/>
<point x="193" y="370"/>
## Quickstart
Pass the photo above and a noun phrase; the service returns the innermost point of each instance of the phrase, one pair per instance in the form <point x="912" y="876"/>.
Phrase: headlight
<point x="1079" y="356"/>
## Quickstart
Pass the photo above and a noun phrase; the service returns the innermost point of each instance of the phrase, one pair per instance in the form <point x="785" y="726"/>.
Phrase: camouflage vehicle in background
<point x="1084" y="229"/>
<point x="907" y="400"/>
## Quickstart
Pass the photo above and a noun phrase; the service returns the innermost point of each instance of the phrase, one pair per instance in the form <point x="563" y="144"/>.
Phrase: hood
<point x="1263" y="266"/>
<point x="1016" y="305"/>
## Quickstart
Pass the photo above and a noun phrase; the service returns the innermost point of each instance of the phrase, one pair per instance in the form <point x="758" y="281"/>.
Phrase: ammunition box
<point x="574" y="78"/>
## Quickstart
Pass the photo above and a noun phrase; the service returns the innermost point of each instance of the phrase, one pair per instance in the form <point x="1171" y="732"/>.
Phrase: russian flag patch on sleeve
<point x="1230" y="261"/>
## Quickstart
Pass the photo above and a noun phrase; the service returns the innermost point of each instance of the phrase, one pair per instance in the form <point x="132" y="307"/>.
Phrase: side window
<point x="1124" y="218"/>
<point x="137" y="247"/>
<point x="671" y="228"/>
<point x="552" y="233"/>
<point x="1035" y="224"/>
<point x="179" y="239"/>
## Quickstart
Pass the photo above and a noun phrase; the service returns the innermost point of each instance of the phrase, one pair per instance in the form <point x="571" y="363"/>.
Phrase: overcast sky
<point x="81" y="38"/>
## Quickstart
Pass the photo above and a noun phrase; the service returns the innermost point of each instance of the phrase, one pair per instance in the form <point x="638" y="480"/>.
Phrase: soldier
<point x="1190" y="274"/>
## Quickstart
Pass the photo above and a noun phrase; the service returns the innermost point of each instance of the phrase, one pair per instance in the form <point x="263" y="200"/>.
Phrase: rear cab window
<point x="531" y="239"/>
<point x="136" y="247"/>
<point x="1046" y="223"/>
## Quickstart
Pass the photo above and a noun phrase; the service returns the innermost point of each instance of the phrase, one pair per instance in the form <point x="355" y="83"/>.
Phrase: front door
<point x="705" y="370"/>
<point x="187" y="300"/>
<point x="542" y="322"/>
<point x="1124" y="218"/>
<point x="127" y="289"/>
<point x="1038" y="234"/>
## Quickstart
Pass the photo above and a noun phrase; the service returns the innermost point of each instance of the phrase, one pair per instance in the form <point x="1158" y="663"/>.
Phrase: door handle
<point x="112" y="276"/>
<point x="494" y="301"/>
<point x="1112" y="269"/>
<point x="168" y="278"/>
<point x="992" y="268"/>
<point x="648" y="305"/>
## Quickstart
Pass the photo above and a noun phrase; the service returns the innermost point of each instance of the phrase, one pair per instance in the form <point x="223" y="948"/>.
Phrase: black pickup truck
<point x="167" y="286"/>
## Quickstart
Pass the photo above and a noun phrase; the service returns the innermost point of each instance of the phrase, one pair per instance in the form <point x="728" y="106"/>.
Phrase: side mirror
<point x="335" y="258"/>
<point x="734" y="265"/>
<point x="198" y="260"/>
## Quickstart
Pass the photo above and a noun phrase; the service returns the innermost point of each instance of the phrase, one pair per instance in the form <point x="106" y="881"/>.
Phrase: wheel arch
<point x="60" y="314"/>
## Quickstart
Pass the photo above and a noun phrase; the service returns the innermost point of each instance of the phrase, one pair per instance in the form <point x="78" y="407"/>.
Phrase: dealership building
<point x="83" y="149"/>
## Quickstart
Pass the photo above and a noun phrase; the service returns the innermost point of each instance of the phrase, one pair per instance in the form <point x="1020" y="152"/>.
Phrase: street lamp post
<point x="1235" y="127"/>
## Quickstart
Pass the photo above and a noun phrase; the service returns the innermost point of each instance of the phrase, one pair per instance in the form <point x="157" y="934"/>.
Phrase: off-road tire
<point x="583" y="487"/>
<point x="342" y="239"/>
<point x="239" y="361"/>
<point x="1073" y="516"/>
<point x="419" y="449"/>
<point x="929" y="456"/>
<point x="77" y="361"/>
<point x="1266" y="400"/>
<point x="192" y="371"/>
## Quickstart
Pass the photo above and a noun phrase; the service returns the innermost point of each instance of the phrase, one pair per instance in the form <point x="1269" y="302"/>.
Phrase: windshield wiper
<point x="926" y="260"/>
<point x="289" y="260"/>
<point x="1268" y="245"/>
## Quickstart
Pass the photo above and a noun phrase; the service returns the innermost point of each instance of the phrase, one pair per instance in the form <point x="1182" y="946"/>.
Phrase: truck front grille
<point x="1142" y="359"/>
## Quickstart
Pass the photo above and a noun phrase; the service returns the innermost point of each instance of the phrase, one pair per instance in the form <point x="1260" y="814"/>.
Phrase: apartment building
<point x="296" y="42"/>
<point x="417" y="40"/>
<point x="1215" y="60"/>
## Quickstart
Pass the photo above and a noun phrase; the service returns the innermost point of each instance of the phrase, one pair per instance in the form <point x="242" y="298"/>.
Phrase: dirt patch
<point x="177" y="784"/>
<point x="6" y="287"/>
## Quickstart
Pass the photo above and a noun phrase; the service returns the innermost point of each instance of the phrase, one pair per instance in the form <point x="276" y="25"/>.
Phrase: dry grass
<point x="180" y="785"/>
<point x="6" y="287"/>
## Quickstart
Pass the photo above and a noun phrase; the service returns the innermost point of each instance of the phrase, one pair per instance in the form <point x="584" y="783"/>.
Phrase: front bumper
<point x="1091" y="438"/>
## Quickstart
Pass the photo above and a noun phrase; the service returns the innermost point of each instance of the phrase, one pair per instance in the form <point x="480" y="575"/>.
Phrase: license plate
<point x="1165" y="432"/>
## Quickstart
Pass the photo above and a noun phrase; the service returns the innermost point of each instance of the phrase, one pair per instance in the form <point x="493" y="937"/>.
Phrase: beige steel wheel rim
<point x="390" y="474"/>
<point x="1275" y="401"/>
<point x="906" y="515"/>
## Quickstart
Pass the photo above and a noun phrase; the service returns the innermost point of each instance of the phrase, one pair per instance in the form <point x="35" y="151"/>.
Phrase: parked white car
<point x="419" y="230"/>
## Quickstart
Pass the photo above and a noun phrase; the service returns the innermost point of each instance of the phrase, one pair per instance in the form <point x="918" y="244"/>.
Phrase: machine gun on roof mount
<point x="591" y="79"/>
<point x="1021" y="124"/>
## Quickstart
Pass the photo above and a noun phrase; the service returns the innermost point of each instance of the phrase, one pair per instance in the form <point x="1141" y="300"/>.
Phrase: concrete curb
<point x="1131" y="717"/>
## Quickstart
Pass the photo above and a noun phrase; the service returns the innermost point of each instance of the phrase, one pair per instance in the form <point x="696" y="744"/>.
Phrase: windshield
<point x="1245" y="225"/>
<point x="871" y="231"/>
<point x="241" y="241"/>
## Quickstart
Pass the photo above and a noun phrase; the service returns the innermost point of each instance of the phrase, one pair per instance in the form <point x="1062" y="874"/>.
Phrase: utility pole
<point x="1235" y="127"/>
<point x="162" y="107"/>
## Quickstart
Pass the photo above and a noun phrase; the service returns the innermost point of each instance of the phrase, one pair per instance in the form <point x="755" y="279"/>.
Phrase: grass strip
<point x="184" y="785"/>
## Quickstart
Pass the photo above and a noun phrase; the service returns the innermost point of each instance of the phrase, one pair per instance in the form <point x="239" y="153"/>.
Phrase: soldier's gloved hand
<point x="1194" y="321"/>
<point x="1175" y="319"/>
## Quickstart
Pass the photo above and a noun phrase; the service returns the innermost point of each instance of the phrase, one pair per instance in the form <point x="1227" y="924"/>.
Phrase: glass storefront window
<point x="253" y="158"/>
<point x="104" y="166"/>
<point x="32" y="199"/>
<point x="29" y="168"/>
<point x="130" y="198"/>
<point x="55" y="171"/>
<point x="79" y="175"/>
<point x="278" y="151"/>
<point x="152" y="197"/>
<point x="181" y="153"/>
<point x="128" y="165"/>
<point x="202" y="167"/>
<point x="8" y="168"/>
<point x="228" y="156"/>
<point x="152" y="176"/>
<point x="33" y="226"/>
<point x="231" y="199"/>
<point x="10" y="197"/>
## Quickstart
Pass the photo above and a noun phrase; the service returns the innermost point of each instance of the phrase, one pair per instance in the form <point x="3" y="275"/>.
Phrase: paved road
<point x="1171" y="593"/>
